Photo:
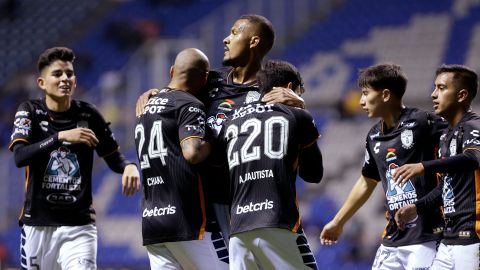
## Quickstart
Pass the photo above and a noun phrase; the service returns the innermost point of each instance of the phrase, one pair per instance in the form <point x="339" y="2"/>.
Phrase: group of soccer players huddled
<point x="219" y="152"/>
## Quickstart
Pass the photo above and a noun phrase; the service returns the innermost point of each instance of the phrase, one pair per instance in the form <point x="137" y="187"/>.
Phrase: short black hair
<point x="53" y="54"/>
<point x="384" y="76"/>
<point x="463" y="76"/>
<point x="265" y="29"/>
<point x="276" y="73"/>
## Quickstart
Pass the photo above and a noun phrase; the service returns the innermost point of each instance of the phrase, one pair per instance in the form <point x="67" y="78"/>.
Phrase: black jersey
<point x="263" y="143"/>
<point x="220" y="99"/>
<point x="59" y="179"/>
<point x="461" y="190"/>
<point x="172" y="198"/>
<point x="415" y="139"/>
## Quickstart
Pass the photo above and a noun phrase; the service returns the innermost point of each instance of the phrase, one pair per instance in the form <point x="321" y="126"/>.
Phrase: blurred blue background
<point x="125" y="47"/>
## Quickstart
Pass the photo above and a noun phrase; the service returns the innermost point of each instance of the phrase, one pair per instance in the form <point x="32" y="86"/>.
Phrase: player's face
<point x="58" y="80"/>
<point x="444" y="95"/>
<point x="237" y="44"/>
<point x="372" y="102"/>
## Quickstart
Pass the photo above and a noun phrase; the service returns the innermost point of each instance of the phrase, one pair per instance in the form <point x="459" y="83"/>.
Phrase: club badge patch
<point x="407" y="138"/>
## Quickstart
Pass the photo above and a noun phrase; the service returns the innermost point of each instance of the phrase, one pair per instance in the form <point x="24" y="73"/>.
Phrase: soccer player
<point x="170" y="139"/>
<point x="250" y="39"/>
<point x="455" y="89"/>
<point x="403" y="135"/>
<point x="266" y="145"/>
<point x="54" y="138"/>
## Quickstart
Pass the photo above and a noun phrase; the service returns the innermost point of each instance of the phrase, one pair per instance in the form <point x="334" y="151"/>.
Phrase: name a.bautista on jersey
<point x="259" y="108"/>
<point x="169" y="210"/>
<point x="256" y="175"/>
<point x="254" y="207"/>
<point x="155" y="105"/>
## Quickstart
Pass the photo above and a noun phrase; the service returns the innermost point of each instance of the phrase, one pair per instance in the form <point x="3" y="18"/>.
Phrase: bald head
<point x="190" y="70"/>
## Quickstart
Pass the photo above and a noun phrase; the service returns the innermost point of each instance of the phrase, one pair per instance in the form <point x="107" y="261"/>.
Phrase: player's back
<point x="263" y="144"/>
<point x="172" y="199"/>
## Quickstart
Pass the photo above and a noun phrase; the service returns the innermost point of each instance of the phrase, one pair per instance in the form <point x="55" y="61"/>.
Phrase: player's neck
<point x="246" y="74"/>
<point x="58" y="105"/>
<point x="392" y="117"/>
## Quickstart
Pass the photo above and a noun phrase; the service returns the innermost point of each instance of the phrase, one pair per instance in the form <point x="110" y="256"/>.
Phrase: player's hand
<point x="407" y="171"/>
<point x="130" y="180"/>
<point x="330" y="233"/>
<point x="79" y="135"/>
<point x="285" y="96"/>
<point x="142" y="101"/>
<point x="405" y="215"/>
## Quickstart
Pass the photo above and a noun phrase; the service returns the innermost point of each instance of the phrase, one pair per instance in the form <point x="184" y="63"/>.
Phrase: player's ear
<point x="462" y="95"/>
<point x="290" y="85"/>
<point x="171" y="72"/>
<point x="41" y="82"/>
<point x="254" y="41"/>
<point x="386" y="95"/>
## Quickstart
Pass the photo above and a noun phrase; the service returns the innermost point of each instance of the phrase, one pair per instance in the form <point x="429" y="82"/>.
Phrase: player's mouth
<point x="435" y="105"/>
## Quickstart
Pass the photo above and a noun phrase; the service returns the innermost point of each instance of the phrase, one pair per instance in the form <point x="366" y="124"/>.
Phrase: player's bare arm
<point x="408" y="171"/>
<point x="195" y="150"/>
<point x="285" y="96"/>
<point x="142" y="101"/>
<point x="405" y="215"/>
<point x="78" y="135"/>
<point x="360" y="193"/>
<point x="130" y="180"/>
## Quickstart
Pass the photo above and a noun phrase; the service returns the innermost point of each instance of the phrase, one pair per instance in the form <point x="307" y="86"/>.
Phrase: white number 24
<point x="156" y="146"/>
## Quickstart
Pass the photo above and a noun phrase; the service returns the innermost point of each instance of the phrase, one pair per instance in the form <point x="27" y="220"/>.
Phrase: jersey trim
<point x="307" y="145"/>
<point x="118" y="148"/>
<point x="190" y="137"/>
<point x="477" y="202"/>
<point x="10" y="147"/>
<point x="297" y="224"/>
<point x="202" y="206"/>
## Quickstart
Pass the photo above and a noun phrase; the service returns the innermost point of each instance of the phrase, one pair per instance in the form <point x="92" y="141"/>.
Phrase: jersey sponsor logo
<point x="376" y="148"/>
<point x="398" y="195"/>
<point x="21" y="113"/>
<point x="255" y="207"/>
<point x="475" y="133"/>
<point x="212" y="93"/>
<point x="41" y="112"/>
<point x="464" y="234"/>
<point x="407" y="125"/>
<point x="258" y="108"/>
<point x="471" y="141"/>
<point x="407" y="138"/>
<point x="158" y="212"/>
<point x="226" y="105"/>
<point x="252" y="96"/>
<point x="195" y="110"/>
<point x="63" y="171"/>
<point x="46" y="143"/>
<point x="256" y="175"/>
<point x="156" y="180"/>
<point x="61" y="198"/>
<point x="23" y="123"/>
<point x="391" y="155"/>
<point x="155" y="105"/>
<point x="44" y="125"/>
<point x="216" y="122"/>
<point x="448" y="195"/>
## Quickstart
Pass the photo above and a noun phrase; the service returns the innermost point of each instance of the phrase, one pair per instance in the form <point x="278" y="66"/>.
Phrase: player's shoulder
<point x="180" y="98"/>
<point x="471" y="121"/>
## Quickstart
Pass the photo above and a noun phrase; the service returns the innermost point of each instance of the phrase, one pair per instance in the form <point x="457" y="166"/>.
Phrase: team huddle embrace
<point x="219" y="152"/>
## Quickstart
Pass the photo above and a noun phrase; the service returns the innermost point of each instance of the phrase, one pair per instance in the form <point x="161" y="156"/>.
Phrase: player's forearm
<point x="311" y="164"/>
<point x="466" y="161"/>
<point x="195" y="150"/>
<point x="25" y="153"/>
<point x="117" y="162"/>
<point x="362" y="190"/>
<point x="431" y="200"/>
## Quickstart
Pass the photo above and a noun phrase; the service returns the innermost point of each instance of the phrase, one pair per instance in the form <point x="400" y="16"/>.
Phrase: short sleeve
<point x="370" y="168"/>
<point x="306" y="125"/>
<point x="191" y="121"/>
<point x="107" y="143"/>
<point x="22" y="125"/>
